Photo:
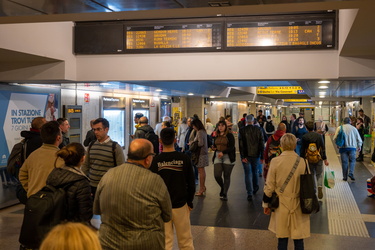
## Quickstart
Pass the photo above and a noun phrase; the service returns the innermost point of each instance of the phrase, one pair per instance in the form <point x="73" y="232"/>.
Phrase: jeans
<point x="283" y="244"/>
<point x="251" y="177"/>
<point x="317" y="171"/>
<point x="348" y="160"/>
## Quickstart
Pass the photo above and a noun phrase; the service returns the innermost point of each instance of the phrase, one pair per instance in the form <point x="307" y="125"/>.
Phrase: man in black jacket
<point x="32" y="137"/>
<point x="147" y="132"/>
<point x="316" y="168"/>
<point x="251" y="145"/>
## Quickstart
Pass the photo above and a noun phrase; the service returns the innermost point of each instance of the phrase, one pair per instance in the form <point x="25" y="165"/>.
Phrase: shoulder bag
<point x="274" y="200"/>
<point x="308" y="200"/>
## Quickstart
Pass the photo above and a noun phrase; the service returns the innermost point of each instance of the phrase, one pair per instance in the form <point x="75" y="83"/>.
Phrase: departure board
<point x="184" y="36"/>
<point x="303" y="33"/>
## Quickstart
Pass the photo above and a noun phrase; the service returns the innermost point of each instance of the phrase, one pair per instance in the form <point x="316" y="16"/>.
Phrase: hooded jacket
<point x="79" y="200"/>
<point x="142" y="131"/>
<point x="276" y="136"/>
<point x="33" y="140"/>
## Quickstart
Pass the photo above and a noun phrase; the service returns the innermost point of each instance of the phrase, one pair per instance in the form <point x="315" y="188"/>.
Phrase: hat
<point x="138" y="115"/>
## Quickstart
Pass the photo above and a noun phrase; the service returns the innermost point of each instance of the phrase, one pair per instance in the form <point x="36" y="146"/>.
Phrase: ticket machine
<point x="74" y="115"/>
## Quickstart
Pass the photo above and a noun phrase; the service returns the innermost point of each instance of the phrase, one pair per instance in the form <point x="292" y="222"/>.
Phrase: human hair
<point x="92" y="122"/>
<point x="38" y="122"/>
<point x="260" y="111"/>
<point x="346" y="120"/>
<point x="226" y="126"/>
<point x="288" y="142"/>
<point x="309" y="125"/>
<point x="360" y="119"/>
<point x="281" y="126"/>
<point x="294" y="116"/>
<point x="167" y="136"/>
<point x="269" y="117"/>
<point x="300" y="118"/>
<point x="167" y="124"/>
<point x="250" y="118"/>
<point x="184" y="120"/>
<point x="208" y="120"/>
<point x="61" y="120"/>
<point x="222" y="118"/>
<point x="196" y="117"/>
<point x="198" y="124"/>
<point x="71" y="153"/>
<point x="139" y="150"/>
<point x="228" y="116"/>
<point x="104" y="121"/>
<point x="284" y="116"/>
<point x="72" y="236"/>
<point x="167" y="118"/>
<point x="244" y="115"/>
<point x="49" y="132"/>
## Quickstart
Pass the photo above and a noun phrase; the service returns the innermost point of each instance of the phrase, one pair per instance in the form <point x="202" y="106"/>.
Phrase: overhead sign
<point x="280" y="90"/>
<point x="297" y="100"/>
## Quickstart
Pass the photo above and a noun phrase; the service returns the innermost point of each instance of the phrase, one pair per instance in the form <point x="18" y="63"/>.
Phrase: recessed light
<point x="212" y="96"/>
<point x="324" y="81"/>
<point x="323" y="87"/>
<point x="190" y="94"/>
<point x="158" y="90"/>
<point x="322" y="96"/>
<point x="322" y="92"/>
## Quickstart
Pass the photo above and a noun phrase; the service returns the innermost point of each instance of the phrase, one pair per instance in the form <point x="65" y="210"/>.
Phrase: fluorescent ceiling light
<point x="322" y="96"/>
<point x="190" y="94"/>
<point x="322" y="92"/>
<point x="324" y="81"/>
<point x="323" y="87"/>
<point x="212" y="96"/>
<point x="158" y="90"/>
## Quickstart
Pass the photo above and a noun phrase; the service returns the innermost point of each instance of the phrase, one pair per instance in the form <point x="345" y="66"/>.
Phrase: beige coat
<point x="287" y="221"/>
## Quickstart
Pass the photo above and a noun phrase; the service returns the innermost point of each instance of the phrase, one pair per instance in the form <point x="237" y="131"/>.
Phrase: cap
<point x="138" y="115"/>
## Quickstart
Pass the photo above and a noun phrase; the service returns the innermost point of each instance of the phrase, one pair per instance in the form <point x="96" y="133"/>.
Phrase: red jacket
<point x="276" y="136"/>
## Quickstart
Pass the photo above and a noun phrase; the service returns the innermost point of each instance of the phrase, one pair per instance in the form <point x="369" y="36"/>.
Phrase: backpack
<point x="114" y="144"/>
<point x="274" y="148"/>
<point x="312" y="153"/>
<point x="209" y="141"/>
<point x="44" y="210"/>
<point x="154" y="139"/>
<point x="16" y="158"/>
<point x="340" y="139"/>
<point x="270" y="127"/>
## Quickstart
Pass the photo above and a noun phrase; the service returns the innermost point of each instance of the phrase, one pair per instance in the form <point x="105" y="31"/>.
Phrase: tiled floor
<point x="239" y="224"/>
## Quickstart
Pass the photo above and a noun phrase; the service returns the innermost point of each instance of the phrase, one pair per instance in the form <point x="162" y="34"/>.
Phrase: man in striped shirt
<point x="102" y="154"/>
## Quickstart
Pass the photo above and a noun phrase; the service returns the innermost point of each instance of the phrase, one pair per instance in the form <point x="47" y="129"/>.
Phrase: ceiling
<point x="336" y="90"/>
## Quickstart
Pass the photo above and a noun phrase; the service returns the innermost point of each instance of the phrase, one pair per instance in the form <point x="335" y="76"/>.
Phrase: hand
<point x="267" y="210"/>
<point x="326" y="162"/>
<point x="220" y="155"/>
<point x="244" y="160"/>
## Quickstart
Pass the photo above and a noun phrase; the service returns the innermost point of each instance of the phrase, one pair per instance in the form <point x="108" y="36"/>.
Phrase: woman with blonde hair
<point x="287" y="221"/>
<point x="72" y="236"/>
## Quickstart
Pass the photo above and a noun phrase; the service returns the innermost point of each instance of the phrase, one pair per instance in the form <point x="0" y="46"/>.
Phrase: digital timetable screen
<point x="315" y="33"/>
<point x="181" y="36"/>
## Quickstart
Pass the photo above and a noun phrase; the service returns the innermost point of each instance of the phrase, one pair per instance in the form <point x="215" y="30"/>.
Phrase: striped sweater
<point x="99" y="159"/>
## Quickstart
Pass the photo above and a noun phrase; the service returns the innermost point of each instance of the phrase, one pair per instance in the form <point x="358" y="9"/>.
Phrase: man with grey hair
<point x="353" y="143"/>
<point x="158" y="127"/>
<point x="251" y="146"/>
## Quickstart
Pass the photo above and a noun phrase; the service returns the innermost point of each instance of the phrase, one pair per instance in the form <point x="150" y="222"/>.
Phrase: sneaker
<point x="352" y="177"/>
<point x="255" y="189"/>
<point x="224" y="198"/>
<point x="359" y="159"/>
<point x="249" y="197"/>
<point x="320" y="192"/>
<point x="345" y="179"/>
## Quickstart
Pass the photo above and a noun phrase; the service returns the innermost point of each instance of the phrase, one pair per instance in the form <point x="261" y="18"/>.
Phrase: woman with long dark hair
<point x="224" y="158"/>
<point x="200" y="154"/>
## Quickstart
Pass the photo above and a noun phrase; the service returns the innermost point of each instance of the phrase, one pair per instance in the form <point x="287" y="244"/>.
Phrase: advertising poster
<point x="17" y="110"/>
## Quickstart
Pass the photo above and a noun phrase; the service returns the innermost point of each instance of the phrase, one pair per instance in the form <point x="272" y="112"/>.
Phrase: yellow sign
<point x="280" y="90"/>
<point x="296" y="100"/>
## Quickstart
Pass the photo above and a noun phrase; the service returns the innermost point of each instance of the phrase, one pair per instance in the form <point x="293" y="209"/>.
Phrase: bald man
<point x="273" y="148"/>
<point x="146" y="131"/>
<point x="141" y="225"/>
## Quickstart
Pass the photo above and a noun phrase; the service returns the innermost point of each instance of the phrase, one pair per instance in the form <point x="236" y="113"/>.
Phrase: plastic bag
<point x="329" y="178"/>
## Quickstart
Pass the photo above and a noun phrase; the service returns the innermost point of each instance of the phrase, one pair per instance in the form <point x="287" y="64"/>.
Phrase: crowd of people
<point x="165" y="169"/>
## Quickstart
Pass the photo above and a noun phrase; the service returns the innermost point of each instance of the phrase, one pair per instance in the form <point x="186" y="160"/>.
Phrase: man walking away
<point x="102" y="154"/>
<point x="347" y="152"/>
<point x="177" y="172"/>
<point x="147" y="132"/>
<point x="314" y="151"/>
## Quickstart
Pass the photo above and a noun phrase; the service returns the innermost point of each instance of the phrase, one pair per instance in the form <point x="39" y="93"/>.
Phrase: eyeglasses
<point x="97" y="129"/>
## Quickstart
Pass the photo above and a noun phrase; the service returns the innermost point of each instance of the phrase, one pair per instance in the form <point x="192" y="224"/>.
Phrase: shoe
<point x="320" y="192"/>
<point x="224" y="198"/>
<point x="201" y="193"/>
<point x="249" y="197"/>
<point x="260" y="175"/>
<point x="359" y="159"/>
<point x="221" y="193"/>
<point x="345" y="179"/>
<point x="352" y="177"/>
<point x="255" y="189"/>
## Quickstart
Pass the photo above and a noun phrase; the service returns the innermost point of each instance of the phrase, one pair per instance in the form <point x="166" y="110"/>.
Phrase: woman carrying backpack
<point x="224" y="158"/>
<point x="78" y="191"/>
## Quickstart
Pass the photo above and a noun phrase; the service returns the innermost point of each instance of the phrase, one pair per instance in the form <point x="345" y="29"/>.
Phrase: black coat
<point x="80" y="202"/>
<point x="33" y="141"/>
<point x="251" y="142"/>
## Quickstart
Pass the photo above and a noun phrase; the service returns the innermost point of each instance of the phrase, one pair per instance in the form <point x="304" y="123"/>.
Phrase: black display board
<point x="245" y="33"/>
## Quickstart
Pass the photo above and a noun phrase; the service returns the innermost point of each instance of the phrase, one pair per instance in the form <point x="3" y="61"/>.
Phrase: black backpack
<point x="270" y="127"/>
<point x="209" y="141"/>
<point x="16" y="158"/>
<point x="154" y="139"/>
<point x="44" y="210"/>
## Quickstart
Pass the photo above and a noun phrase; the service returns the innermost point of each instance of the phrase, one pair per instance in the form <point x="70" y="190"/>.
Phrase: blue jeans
<point x="251" y="177"/>
<point x="348" y="160"/>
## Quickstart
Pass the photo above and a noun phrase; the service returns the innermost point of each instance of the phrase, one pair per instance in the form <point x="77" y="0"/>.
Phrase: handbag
<point x="329" y="178"/>
<point x="274" y="200"/>
<point x="340" y="139"/>
<point x="193" y="147"/>
<point x="308" y="200"/>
